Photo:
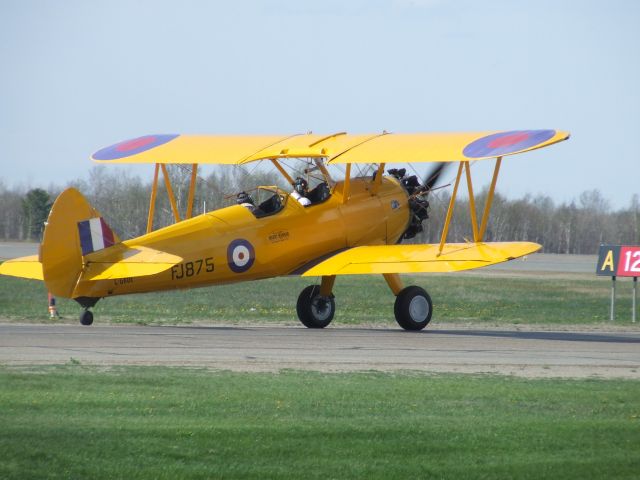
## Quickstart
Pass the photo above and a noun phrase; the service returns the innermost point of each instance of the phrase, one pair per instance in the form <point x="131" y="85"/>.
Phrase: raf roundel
<point x="240" y="255"/>
<point x="504" y="143"/>
<point x="132" y="147"/>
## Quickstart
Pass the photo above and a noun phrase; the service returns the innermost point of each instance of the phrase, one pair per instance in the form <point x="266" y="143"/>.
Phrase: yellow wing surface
<point x="115" y="262"/>
<point x="455" y="257"/>
<point x="123" y="261"/>
<point x="336" y="148"/>
<point x="25" y="267"/>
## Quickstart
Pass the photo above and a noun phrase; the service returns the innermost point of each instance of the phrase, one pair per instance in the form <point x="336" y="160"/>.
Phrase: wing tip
<point x="23" y="267"/>
<point x="131" y="147"/>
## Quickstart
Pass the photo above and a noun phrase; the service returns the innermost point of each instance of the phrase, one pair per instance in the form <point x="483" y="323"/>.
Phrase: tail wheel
<point x="86" y="317"/>
<point x="413" y="308"/>
<point x="315" y="310"/>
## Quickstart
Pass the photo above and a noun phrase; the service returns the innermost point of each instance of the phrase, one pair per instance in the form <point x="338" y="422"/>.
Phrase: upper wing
<point x="420" y="258"/>
<point x="336" y="148"/>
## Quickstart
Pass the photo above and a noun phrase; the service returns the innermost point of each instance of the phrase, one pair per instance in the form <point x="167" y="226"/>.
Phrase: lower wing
<point x="455" y="257"/>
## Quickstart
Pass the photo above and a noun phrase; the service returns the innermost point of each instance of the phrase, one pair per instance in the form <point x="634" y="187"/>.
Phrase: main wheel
<point x="86" y="317"/>
<point x="413" y="308"/>
<point x="314" y="310"/>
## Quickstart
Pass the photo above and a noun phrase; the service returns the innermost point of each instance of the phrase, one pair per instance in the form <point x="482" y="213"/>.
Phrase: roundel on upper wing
<point x="504" y="143"/>
<point x="132" y="147"/>
<point x="240" y="255"/>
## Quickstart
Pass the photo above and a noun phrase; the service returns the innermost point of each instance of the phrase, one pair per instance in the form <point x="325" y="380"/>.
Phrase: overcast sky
<point x="76" y="76"/>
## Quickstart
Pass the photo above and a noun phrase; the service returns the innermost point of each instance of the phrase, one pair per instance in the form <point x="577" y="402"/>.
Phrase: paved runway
<point x="272" y="348"/>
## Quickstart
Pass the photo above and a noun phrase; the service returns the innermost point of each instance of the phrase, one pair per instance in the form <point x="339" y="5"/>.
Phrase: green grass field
<point x="491" y="298"/>
<point x="76" y="421"/>
<point x="144" y="422"/>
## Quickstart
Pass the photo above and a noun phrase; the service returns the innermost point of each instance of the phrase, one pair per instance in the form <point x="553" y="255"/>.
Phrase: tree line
<point x="577" y="227"/>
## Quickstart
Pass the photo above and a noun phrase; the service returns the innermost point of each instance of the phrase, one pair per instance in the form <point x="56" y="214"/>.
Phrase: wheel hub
<point x="418" y="309"/>
<point x="321" y="308"/>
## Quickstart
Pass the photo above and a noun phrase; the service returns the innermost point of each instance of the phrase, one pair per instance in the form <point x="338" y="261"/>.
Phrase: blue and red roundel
<point x="132" y="147"/>
<point x="240" y="255"/>
<point x="504" y="143"/>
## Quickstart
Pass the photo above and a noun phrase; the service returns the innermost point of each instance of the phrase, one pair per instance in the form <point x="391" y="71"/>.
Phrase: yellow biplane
<point x="347" y="226"/>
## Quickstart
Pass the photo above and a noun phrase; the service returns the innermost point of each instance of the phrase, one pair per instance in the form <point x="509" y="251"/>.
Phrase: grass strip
<point x="359" y="299"/>
<point x="150" y="422"/>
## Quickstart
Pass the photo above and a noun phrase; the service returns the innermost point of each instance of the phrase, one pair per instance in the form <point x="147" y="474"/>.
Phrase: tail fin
<point x="74" y="229"/>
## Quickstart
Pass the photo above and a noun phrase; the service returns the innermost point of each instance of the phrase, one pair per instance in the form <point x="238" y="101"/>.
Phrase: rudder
<point x="74" y="228"/>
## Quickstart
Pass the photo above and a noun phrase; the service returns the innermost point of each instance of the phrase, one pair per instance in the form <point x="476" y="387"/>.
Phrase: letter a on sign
<point x="608" y="260"/>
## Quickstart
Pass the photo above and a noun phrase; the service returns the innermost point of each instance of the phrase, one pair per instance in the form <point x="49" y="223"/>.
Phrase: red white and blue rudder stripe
<point x="95" y="235"/>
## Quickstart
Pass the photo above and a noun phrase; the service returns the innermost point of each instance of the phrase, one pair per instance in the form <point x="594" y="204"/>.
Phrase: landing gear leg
<point x="316" y="305"/>
<point x="413" y="307"/>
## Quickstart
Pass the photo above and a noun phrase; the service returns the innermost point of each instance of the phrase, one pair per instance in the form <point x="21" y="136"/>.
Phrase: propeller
<point x="432" y="177"/>
<point x="418" y="193"/>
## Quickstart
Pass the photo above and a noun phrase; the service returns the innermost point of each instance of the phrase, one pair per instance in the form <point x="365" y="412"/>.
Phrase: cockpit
<point x="307" y="185"/>
<point x="264" y="201"/>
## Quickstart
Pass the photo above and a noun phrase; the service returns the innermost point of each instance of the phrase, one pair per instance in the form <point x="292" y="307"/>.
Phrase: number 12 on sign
<point x="630" y="264"/>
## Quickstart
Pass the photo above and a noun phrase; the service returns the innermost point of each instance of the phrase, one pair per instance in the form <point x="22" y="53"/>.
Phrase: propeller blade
<point x="432" y="177"/>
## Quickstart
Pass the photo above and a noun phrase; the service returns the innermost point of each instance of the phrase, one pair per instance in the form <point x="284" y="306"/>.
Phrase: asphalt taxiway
<point x="614" y="354"/>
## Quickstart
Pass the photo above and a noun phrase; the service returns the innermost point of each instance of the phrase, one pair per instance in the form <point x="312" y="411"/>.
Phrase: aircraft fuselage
<point x="231" y="244"/>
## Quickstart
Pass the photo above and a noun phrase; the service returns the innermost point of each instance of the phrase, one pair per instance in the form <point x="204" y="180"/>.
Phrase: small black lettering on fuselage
<point x="191" y="269"/>
<point x="123" y="281"/>
<point x="279" y="236"/>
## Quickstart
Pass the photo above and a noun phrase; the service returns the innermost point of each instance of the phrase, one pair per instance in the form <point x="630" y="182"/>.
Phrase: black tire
<point x="413" y="308"/>
<point x="86" y="317"/>
<point x="315" y="311"/>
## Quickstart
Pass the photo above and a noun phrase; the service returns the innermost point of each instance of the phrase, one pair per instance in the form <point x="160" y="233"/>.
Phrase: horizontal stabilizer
<point x="123" y="261"/>
<point x="25" y="267"/>
<point x="455" y="257"/>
